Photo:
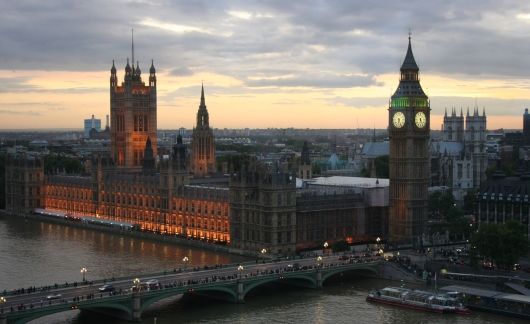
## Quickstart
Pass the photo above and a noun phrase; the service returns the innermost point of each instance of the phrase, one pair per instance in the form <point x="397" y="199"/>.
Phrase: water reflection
<point x="44" y="253"/>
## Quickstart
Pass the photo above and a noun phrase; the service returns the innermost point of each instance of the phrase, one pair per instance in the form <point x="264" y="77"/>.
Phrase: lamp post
<point x="319" y="260"/>
<point x="83" y="271"/>
<point x="185" y="260"/>
<point x="2" y="301"/>
<point x="136" y="283"/>
<point x="239" y="270"/>
<point x="378" y="243"/>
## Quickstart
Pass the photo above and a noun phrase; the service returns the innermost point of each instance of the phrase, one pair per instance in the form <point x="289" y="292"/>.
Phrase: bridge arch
<point x="285" y="277"/>
<point x="124" y="308"/>
<point x="334" y="271"/>
<point x="166" y="293"/>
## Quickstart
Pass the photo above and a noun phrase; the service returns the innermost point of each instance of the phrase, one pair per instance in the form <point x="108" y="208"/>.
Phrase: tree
<point x="442" y="207"/>
<point x="340" y="246"/>
<point x="381" y="168"/>
<point x="58" y="163"/>
<point x="469" y="202"/>
<point x="504" y="244"/>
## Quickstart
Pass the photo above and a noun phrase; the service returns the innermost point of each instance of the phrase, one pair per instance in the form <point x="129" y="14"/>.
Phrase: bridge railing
<point x="279" y="273"/>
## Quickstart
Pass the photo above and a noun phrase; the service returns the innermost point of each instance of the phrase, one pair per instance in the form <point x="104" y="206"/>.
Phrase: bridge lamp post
<point x="136" y="283"/>
<point x="326" y="245"/>
<point x="2" y="300"/>
<point x="319" y="261"/>
<point x="239" y="270"/>
<point x="263" y="251"/>
<point x="83" y="271"/>
<point x="185" y="260"/>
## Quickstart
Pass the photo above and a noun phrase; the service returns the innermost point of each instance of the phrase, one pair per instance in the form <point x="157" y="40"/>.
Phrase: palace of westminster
<point x="261" y="206"/>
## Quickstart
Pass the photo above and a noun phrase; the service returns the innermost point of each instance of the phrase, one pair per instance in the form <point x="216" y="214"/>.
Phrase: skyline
<point x="303" y="65"/>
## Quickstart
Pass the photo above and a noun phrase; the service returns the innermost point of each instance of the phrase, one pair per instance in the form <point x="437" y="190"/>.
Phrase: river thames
<point x="40" y="253"/>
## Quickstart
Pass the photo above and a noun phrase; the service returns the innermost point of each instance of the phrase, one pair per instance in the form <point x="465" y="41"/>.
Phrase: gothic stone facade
<point x="133" y="116"/>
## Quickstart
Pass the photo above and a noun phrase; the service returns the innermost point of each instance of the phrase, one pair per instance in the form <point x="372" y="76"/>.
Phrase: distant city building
<point x="202" y="143"/>
<point x="526" y="127"/>
<point x="409" y="132"/>
<point x="91" y="123"/>
<point x="95" y="134"/>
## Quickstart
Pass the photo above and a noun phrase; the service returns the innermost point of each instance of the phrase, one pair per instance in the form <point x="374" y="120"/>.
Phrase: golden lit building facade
<point x="190" y="210"/>
<point x="133" y="115"/>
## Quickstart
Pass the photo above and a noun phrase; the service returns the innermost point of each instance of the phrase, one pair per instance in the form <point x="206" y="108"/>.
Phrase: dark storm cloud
<point x="255" y="39"/>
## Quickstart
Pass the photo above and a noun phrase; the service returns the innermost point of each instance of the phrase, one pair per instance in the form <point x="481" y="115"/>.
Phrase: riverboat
<point x="417" y="300"/>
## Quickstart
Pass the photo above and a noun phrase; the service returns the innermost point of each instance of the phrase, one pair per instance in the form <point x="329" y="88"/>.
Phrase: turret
<point x="113" y="77"/>
<point x="149" y="159"/>
<point x="152" y="76"/>
<point x="128" y="71"/>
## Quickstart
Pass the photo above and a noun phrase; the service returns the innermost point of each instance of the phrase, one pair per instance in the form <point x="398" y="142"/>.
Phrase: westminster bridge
<point x="132" y="296"/>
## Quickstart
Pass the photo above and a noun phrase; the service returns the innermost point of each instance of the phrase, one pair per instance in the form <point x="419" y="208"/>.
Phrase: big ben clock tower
<point x="409" y="127"/>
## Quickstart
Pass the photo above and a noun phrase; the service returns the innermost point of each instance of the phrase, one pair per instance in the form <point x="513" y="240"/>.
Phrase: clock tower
<point x="409" y="128"/>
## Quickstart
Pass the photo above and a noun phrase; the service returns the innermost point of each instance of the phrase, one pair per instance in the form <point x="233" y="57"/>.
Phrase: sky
<point x="301" y="64"/>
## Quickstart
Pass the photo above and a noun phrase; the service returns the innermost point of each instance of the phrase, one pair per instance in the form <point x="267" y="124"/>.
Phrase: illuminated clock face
<point x="398" y="120"/>
<point x="420" y="120"/>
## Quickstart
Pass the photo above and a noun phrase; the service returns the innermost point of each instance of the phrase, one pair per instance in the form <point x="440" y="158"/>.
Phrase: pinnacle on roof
<point x="409" y="63"/>
<point x="152" y="68"/>
<point x="113" y="68"/>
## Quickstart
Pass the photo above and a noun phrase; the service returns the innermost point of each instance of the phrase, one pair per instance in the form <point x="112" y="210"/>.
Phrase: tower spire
<point x="409" y="63"/>
<point x="203" y="103"/>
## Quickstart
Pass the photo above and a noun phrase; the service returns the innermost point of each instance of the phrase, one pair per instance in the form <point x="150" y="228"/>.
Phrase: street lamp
<point x="319" y="260"/>
<point x="136" y="283"/>
<point x="378" y="239"/>
<point x="240" y="269"/>
<point x="83" y="271"/>
<point x="185" y="260"/>
<point x="2" y="299"/>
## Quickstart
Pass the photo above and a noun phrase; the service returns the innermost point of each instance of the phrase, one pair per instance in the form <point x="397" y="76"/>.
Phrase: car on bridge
<point x="106" y="288"/>
<point x="152" y="283"/>
<point x="53" y="296"/>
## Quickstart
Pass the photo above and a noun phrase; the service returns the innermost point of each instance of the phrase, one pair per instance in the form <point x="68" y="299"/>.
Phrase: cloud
<point x="24" y="85"/>
<point x="20" y="112"/>
<point x="493" y="106"/>
<point x="357" y="102"/>
<point x="181" y="72"/>
<point x="228" y="37"/>
<point x="316" y="81"/>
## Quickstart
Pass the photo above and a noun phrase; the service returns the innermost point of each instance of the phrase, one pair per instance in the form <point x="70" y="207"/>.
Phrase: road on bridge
<point x="40" y="297"/>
